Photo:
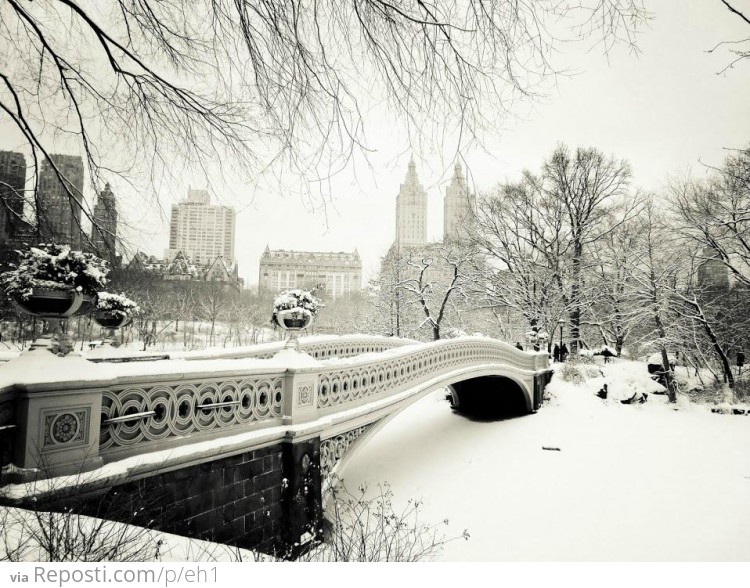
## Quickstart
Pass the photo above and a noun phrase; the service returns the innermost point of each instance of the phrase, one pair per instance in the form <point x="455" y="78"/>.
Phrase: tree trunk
<point x="575" y="301"/>
<point x="668" y="375"/>
<point x="618" y="344"/>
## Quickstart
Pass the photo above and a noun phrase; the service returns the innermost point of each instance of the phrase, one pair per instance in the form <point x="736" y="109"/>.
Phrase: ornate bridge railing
<point x="106" y="412"/>
<point x="404" y="368"/>
<point x="134" y="415"/>
<point x="318" y="346"/>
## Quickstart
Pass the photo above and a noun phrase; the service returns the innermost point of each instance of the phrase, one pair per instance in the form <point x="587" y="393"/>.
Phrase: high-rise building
<point x="458" y="206"/>
<point x="201" y="230"/>
<point x="61" y="201"/>
<point x="411" y="211"/>
<point x="334" y="273"/>
<point x="712" y="273"/>
<point x="12" y="184"/>
<point x="104" y="229"/>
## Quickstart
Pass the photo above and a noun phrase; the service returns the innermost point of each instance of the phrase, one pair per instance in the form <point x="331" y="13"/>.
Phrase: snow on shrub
<point x="55" y="267"/>
<point x="116" y="304"/>
<point x="571" y="373"/>
<point x="623" y="379"/>
<point x="296" y="299"/>
<point x="628" y="378"/>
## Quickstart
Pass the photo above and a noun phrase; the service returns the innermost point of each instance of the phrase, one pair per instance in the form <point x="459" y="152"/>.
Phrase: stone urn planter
<point x="294" y="319"/>
<point x="113" y="311"/>
<point x="294" y="311"/>
<point x="53" y="282"/>
<point x="55" y="304"/>
<point x="111" y="320"/>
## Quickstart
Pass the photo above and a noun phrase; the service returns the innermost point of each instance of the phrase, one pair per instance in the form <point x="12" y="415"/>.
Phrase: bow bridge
<point x="232" y="446"/>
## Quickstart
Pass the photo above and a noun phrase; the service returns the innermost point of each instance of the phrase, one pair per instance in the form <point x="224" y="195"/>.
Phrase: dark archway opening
<point x="489" y="398"/>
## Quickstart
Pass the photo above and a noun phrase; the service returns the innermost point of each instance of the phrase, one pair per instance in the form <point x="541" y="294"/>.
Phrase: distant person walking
<point x="519" y="346"/>
<point x="556" y="353"/>
<point x="564" y="352"/>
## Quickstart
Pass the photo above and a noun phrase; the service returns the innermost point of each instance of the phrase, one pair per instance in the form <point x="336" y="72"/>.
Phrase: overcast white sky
<point x="664" y="110"/>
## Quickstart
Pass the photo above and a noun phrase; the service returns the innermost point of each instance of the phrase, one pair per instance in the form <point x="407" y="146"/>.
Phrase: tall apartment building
<point x="201" y="230"/>
<point x="712" y="273"/>
<point x="411" y="211"/>
<point x="12" y="184"/>
<point x="458" y="206"/>
<point x="104" y="229"/>
<point x="61" y="202"/>
<point x="335" y="273"/>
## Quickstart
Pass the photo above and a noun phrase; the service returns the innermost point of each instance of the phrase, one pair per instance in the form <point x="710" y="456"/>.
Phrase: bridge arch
<point x="472" y="386"/>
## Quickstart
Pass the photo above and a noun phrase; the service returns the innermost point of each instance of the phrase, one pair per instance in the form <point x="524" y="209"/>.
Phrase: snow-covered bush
<point x="579" y="372"/>
<point x="571" y="372"/>
<point x="116" y="304"/>
<point x="454" y="333"/>
<point x="296" y="299"/>
<point x="55" y="267"/>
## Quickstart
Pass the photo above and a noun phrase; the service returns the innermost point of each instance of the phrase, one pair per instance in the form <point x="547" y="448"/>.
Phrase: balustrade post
<point x="57" y="428"/>
<point x="300" y="397"/>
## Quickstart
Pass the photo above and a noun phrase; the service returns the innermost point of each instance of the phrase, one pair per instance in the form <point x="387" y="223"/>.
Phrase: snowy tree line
<point x="579" y="251"/>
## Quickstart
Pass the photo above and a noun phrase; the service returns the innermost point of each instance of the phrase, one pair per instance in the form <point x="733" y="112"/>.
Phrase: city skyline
<point x="633" y="106"/>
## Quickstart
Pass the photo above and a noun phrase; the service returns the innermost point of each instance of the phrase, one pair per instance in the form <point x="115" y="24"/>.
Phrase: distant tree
<point x="613" y="308"/>
<point x="520" y="239"/>
<point x="434" y="282"/>
<point x="543" y="230"/>
<point x="588" y="186"/>
<point x="660" y="272"/>
<point x="715" y="213"/>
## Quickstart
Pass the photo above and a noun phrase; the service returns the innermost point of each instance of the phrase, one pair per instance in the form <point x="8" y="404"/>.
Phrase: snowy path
<point x="630" y="483"/>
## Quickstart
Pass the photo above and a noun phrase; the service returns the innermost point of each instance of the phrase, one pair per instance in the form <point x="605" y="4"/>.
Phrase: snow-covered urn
<point x="52" y="281"/>
<point x="294" y="310"/>
<point x="114" y="311"/>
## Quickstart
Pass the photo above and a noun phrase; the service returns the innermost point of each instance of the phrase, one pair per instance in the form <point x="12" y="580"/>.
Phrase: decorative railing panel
<point x="337" y="386"/>
<point x="333" y="449"/>
<point x="317" y="347"/>
<point x="139" y="414"/>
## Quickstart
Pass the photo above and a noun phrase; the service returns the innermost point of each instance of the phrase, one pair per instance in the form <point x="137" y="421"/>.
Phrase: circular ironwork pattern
<point x="336" y="386"/>
<point x="333" y="449"/>
<point x="178" y="409"/>
<point x="64" y="428"/>
<point x="317" y="349"/>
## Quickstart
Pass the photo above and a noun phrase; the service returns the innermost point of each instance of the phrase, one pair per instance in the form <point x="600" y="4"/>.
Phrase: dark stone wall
<point x="266" y="499"/>
<point x="540" y="383"/>
<point x="234" y="500"/>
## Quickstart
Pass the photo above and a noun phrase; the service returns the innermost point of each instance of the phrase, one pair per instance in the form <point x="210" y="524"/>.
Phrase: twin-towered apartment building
<point x="340" y="273"/>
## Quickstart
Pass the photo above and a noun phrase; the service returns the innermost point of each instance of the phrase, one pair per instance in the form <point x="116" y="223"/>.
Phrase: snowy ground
<point x="641" y="482"/>
<point x="629" y="482"/>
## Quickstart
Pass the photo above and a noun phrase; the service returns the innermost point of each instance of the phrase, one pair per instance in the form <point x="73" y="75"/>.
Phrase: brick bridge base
<point x="267" y="500"/>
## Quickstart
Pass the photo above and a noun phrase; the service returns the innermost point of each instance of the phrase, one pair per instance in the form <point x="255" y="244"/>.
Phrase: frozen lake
<point x="642" y="482"/>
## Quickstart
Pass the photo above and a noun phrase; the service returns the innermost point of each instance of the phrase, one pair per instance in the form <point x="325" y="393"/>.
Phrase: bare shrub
<point x="366" y="528"/>
<point x="53" y="522"/>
